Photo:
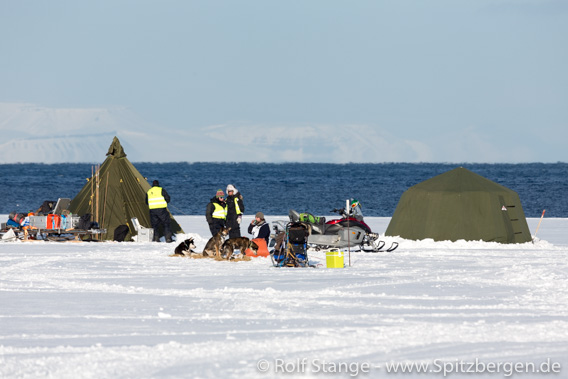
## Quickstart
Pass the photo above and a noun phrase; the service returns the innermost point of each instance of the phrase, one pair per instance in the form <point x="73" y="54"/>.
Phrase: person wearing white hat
<point x="235" y="209"/>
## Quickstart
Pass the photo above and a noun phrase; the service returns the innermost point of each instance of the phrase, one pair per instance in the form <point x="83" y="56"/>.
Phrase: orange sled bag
<point x="262" y="248"/>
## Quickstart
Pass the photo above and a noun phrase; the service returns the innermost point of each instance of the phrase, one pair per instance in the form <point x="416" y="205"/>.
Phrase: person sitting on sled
<point x="259" y="228"/>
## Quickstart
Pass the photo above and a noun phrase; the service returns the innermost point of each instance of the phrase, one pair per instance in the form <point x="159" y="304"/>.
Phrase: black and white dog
<point x="185" y="249"/>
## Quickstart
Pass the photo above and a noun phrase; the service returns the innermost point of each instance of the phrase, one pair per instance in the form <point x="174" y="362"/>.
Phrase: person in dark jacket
<point x="259" y="228"/>
<point x="216" y="212"/>
<point x="157" y="199"/>
<point x="235" y="209"/>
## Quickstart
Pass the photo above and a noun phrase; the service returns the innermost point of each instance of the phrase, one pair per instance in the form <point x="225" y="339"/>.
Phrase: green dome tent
<point x="119" y="196"/>
<point x="460" y="204"/>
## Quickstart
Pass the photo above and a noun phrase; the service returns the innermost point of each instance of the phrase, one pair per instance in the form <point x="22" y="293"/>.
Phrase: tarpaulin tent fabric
<point x="460" y="204"/>
<point x="115" y="194"/>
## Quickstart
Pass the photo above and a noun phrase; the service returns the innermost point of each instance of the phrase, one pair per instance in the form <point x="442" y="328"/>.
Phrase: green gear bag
<point x="308" y="217"/>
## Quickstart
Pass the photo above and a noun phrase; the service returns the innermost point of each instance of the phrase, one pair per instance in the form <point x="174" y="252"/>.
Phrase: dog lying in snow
<point x="185" y="249"/>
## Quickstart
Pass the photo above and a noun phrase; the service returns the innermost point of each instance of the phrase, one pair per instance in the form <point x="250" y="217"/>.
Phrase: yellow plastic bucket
<point x="334" y="259"/>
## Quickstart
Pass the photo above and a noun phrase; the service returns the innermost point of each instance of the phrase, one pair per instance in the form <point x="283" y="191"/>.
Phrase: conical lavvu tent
<point x="115" y="194"/>
<point x="460" y="204"/>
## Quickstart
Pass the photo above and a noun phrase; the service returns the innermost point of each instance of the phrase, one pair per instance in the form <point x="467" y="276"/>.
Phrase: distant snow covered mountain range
<point x="39" y="134"/>
<point x="55" y="135"/>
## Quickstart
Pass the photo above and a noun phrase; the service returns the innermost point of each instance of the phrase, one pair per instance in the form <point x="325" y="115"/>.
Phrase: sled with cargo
<point x="348" y="231"/>
<point x="57" y="224"/>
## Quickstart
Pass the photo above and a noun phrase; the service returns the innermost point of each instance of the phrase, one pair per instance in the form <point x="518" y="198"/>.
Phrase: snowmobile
<point x="348" y="231"/>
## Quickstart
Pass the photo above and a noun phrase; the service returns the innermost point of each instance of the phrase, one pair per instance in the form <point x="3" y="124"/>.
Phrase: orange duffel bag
<point x="53" y="221"/>
<point x="262" y="249"/>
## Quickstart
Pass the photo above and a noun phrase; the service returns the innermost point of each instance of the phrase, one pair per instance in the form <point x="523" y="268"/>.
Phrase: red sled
<point x="262" y="249"/>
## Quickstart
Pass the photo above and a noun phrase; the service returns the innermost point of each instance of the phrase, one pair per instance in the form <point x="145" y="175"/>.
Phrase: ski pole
<point x="538" y="226"/>
<point x="348" y="231"/>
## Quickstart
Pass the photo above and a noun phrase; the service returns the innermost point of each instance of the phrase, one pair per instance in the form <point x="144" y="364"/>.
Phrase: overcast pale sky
<point x="452" y="80"/>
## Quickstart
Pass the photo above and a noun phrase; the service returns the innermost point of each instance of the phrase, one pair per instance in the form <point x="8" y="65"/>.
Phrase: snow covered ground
<point x="128" y="310"/>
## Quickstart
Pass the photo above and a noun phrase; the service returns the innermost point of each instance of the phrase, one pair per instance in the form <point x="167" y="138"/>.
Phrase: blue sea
<point x="276" y="188"/>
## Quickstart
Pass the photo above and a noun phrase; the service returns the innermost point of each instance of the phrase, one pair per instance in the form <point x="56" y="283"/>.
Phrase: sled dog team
<point x="223" y="214"/>
<point x="218" y="247"/>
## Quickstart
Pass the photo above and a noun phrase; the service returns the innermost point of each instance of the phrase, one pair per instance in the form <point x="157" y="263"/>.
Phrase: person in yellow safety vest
<point x="216" y="212"/>
<point x="235" y="209"/>
<point x="157" y="199"/>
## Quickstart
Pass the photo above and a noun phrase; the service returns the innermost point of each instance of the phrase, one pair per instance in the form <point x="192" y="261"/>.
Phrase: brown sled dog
<point x="214" y="246"/>
<point x="239" y="243"/>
